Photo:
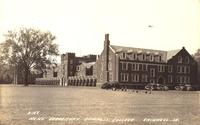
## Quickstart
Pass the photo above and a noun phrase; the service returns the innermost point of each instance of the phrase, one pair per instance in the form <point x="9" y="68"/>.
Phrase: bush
<point x="110" y="85"/>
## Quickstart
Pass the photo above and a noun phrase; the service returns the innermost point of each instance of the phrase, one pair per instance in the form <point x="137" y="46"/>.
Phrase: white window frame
<point x="152" y="72"/>
<point x="180" y="59"/>
<point x="135" y="77"/>
<point x="124" y="77"/>
<point x="124" y="64"/>
<point x="151" y="57"/>
<point x="123" y="55"/>
<point x="170" y="68"/>
<point x="144" y="65"/>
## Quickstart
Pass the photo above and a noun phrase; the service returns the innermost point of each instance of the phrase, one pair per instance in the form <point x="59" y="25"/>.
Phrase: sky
<point x="80" y="25"/>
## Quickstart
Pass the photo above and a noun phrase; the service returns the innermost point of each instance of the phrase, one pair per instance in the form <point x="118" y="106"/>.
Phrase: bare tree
<point x="28" y="49"/>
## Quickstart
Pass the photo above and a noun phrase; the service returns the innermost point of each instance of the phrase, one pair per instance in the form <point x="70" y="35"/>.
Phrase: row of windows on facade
<point x="124" y="77"/>
<point x="185" y="60"/>
<point x="143" y="67"/>
<point x="141" y="57"/>
<point x="150" y="57"/>
<point x="161" y="68"/>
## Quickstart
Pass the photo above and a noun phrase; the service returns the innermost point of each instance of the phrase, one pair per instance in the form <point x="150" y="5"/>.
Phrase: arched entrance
<point x="161" y="80"/>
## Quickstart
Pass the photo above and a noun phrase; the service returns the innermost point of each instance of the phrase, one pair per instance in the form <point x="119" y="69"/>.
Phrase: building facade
<point x="77" y="71"/>
<point x="133" y="67"/>
<point x="138" y="66"/>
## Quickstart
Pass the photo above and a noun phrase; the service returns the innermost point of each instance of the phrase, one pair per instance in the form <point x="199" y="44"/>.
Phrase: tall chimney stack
<point x="106" y="36"/>
<point x="106" y="56"/>
<point x="107" y="41"/>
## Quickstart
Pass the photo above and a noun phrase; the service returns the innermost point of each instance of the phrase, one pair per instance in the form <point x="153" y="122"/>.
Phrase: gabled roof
<point x="166" y="55"/>
<point x="123" y="48"/>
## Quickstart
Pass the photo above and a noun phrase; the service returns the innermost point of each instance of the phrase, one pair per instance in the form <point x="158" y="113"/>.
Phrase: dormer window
<point x="134" y="56"/>
<point x="151" y="58"/>
<point x="123" y="56"/>
<point x="160" y="58"/>
<point x="144" y="57"/>
<point x="180" y="59"/>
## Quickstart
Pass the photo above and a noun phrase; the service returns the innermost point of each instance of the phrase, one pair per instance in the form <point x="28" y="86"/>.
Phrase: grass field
<point x="46" y="105"/>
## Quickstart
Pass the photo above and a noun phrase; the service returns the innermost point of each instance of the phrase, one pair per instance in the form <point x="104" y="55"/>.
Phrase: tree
<point x="28" y="49"/>
<point x="5" y="72"/>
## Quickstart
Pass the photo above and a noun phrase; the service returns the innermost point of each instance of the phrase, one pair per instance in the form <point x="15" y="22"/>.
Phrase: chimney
<point x="107" y="41"/>
<point x="106" y="56"/>
<point x="106" y="37"/>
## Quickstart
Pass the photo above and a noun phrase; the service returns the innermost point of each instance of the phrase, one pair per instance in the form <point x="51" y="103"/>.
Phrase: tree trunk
<point x="26" y="77"/>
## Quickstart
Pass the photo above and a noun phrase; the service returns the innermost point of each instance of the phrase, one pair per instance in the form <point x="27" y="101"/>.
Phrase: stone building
<point x="137" y="67"/>
<point x="77" y="70"/>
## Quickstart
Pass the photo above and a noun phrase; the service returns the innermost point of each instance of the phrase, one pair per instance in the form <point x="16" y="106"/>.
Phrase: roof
<point x="172" y="53"/>
<point x="166" y="55"/>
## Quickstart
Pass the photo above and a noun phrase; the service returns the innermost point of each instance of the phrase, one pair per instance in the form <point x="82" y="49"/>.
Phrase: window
<point x="134" y="56"/>
<point x="187" y="60"/>
<point x="110" y="66"/>
<point x="144" y="78"/>
<point x="124" y="77"/>
<point x="161" y="68"/>
<point x="152" y="72"/>
<point x="144" y="57"/>
<point x="180" y="59"/>
<point x="178" y="69"/>
<point x="160" y="59"/>
<point x="185" y="79"/>
<point x="169" y="68"/>
<point x="124" y="66"/>
<point x="144" y="67"/>
<point x="140" y="67"/>
<point x="151" y="58"/>
<point x="135" y="78"/>
<point x="123" y="55"/>
<point x="135" y="67"/>
<point x="182" y="79"/>
<point x="55" y="74"/>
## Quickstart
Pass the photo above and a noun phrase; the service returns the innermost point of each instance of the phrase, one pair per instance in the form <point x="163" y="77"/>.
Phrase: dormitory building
<point x="130" y="66"/>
